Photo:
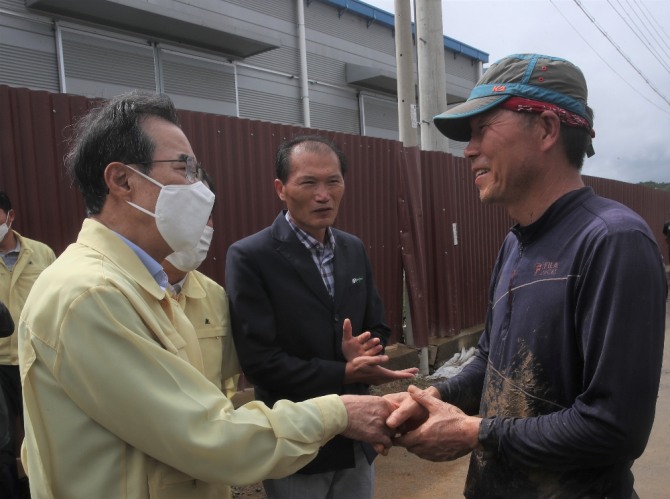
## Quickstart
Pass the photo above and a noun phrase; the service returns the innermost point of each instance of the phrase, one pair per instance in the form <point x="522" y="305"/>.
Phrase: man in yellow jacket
<point x="21" y="261"/>
<point x="205" y="303"/>
<point x="117" y="404"/>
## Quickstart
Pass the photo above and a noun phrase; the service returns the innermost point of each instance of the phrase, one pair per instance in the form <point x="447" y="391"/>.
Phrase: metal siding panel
<point x="268" y="96"/>
<point x="23" y="67"/>
<point x="198" y="78"/>
<point x="254" y="104"/>
<point x="284" y="59"/>
<point x="32" y="130"/>
<point x="239" y="154"/>
<point x="103" y="67"/>
<point x="381" y="113"/>
<point x="13" y="5"/>
<point x="458" y="276"/>
<point x="326" y="69"/>
<point x="198" y="84"/>
<point x="334" y="118"/>
<point x="461" y="66"/>
<point x="28" y="54"/>
<point x="350" y="27"/>
<point x="368" y="210"/>
<point x="281" y="9"/>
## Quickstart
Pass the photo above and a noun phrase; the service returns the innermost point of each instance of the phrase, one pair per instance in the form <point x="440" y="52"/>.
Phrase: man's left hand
<point x="447" y="433"/>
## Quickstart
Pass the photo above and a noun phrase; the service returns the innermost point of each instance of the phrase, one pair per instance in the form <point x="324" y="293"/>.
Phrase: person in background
<point x="666" y="233"/>
<point x="116" y="400"/>
<point x="6" y="329"/>
<point x="307" y="318"/>
<point x="205" y="303"/>
<point x="6" y="322"/>
<point x="561" y="396"/>
<point x="21" y="261"/>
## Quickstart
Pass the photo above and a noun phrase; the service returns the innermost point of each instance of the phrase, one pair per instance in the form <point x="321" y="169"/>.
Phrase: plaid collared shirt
<point x="322" y="254"/>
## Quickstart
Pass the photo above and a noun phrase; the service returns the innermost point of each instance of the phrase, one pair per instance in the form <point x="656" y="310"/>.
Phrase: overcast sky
<point x="632" y="121"/>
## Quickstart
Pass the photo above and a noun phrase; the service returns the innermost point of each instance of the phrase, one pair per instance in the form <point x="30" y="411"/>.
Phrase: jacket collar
<point x="106" y="242"/>
<point x="554" y="213"/>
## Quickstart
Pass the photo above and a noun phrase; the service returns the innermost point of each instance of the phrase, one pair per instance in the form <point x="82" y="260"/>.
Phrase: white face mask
<point x="4" y="229"/>
<point x="181" y="212"/>
<point x="191" y="259"/>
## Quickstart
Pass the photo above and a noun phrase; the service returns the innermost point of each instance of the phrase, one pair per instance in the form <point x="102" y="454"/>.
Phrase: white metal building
<point x="233" y="57"/>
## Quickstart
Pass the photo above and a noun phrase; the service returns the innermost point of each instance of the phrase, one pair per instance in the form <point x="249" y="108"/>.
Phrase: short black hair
<point x="113" y="132"/>
<point x="5" y="203"/>
<point x="313" y="143"/>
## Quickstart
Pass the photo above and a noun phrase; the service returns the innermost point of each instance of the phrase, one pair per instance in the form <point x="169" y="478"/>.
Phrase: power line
<point x="651" y="19"/>
<point x="646" y="22"/>
<point x="618" y="49"/>
<point x="638" y="33"/>
<point x="605" y="62"/>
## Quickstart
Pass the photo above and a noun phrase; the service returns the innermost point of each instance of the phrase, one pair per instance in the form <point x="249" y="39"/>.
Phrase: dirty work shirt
<point x="116" y="404"/>
<point x="572" y="346"/>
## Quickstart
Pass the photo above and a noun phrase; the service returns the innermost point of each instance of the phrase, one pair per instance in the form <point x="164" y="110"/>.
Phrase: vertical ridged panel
<point x="239" y="154"/>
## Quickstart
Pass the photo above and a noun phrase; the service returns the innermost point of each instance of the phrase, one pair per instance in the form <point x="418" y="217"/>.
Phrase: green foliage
<point x="663" y="186"/>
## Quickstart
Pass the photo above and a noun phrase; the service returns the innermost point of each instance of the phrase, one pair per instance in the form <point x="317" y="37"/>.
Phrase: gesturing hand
<point x="363" y="359"/>
<point x="356" y="346"/>
<point x="368" y="370"/>
<point x="446" y="434"/>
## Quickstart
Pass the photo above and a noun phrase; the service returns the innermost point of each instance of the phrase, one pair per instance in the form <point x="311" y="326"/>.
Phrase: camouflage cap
<point x="532" y="76"/>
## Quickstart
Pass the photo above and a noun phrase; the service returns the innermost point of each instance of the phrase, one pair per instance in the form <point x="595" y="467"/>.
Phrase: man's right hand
<point x="360" y="345"/>
<point x="368" y="370"/>
<point x="367" y="420"/>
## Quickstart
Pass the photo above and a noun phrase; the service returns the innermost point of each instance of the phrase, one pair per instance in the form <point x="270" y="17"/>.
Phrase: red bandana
<point x="521" y="105"/>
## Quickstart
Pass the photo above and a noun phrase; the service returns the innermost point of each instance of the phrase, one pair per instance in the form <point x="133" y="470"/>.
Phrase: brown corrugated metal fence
<point x="460" y="235"/>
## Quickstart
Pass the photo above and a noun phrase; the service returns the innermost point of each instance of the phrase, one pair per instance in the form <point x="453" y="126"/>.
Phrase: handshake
<point x="416" y="419"/>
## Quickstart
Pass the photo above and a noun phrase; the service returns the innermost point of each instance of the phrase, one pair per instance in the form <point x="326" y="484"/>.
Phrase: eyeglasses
<point x="194" y="170"/>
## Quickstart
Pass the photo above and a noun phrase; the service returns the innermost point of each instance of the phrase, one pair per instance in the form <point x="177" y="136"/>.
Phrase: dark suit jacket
<point x="288" y="330"/>
<point x="6" y="322"/>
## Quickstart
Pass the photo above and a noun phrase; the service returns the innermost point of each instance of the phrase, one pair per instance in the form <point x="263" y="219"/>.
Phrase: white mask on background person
<point x="4" y="230"/>
<point x="181" y="212"/>
<point x="191" y="259"/>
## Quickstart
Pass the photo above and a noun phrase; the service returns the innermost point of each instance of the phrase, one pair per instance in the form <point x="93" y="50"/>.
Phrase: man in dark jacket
<point x="666" y="233"/>
<point x="6" y="329"/>
<point x="6" y="322"/>
<point x="297" y="290"/>
<point x="565" y="381"/>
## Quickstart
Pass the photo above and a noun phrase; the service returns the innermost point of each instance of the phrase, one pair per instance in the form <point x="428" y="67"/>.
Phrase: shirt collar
<point x="308" y="240"/>
<point x="154" y="268"/>
<point x="17" y="248"/>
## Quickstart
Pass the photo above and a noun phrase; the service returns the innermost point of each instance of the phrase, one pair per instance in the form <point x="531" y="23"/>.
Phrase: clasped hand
<point x="416" y="419"/>
<point x="430" y="428"/>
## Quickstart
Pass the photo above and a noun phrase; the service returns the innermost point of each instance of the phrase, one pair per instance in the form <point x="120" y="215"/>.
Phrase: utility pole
<point x="410" y="199"/>
<point x="432" y="83"/>
<point x="404" y="49"/>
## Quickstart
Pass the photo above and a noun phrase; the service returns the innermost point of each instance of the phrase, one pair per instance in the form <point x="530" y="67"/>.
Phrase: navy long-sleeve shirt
<point x="569" y="363"/>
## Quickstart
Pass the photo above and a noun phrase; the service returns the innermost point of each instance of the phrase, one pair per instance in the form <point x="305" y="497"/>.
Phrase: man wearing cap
<point x="566" y="376"/>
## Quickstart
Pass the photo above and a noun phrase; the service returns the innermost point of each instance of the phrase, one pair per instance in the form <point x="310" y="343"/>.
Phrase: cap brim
<point x="455" y="122"/>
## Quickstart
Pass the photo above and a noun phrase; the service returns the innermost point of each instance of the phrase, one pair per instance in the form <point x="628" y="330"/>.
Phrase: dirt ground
<point x="403" y="475"/>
